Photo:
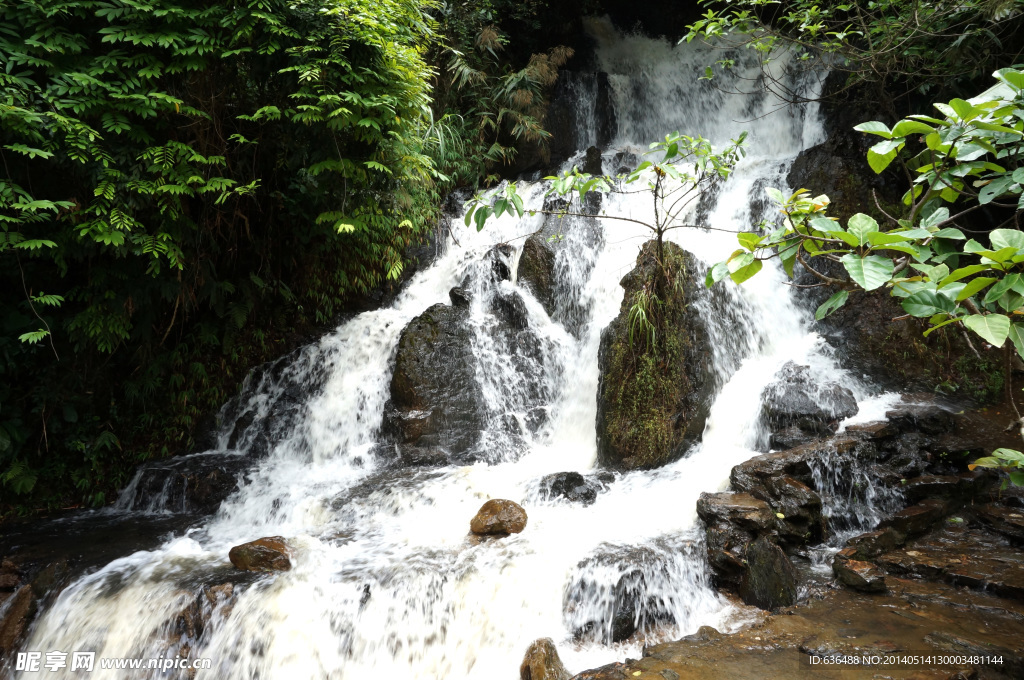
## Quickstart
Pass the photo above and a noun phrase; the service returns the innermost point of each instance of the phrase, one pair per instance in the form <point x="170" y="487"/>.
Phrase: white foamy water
<point x="386" y="582"/>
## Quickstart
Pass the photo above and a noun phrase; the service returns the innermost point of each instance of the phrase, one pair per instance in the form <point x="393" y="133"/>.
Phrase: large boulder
<point x="795" y="400"/>
<point x="770" y="580"/>
<point x="654" y="398"/>
<point x="264" y="554"/>
<point x="541" y="662"/>
<point x="731" y="522"/>
<point x="536" y="270"/>
<point x="498" y="517"/>
<point x="436" y="401"/>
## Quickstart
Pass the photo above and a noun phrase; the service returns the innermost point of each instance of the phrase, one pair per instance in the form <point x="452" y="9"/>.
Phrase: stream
<point x="385" y="580"/>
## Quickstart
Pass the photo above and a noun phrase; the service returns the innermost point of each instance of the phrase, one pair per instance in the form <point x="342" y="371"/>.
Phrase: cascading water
<point x="385" y="581"/>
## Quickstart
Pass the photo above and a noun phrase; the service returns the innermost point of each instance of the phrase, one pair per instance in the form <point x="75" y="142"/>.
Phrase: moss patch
<point x="654" y="388"/>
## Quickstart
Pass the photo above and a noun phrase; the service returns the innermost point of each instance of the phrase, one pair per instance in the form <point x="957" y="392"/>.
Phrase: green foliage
<point x="173" y="171"/>
<point x="894" y="44"/>
<point x="1005" y="460"/>
<point x="483" y="103"/>
<point x="684" y="168"/>
<point x="970" y="158"/>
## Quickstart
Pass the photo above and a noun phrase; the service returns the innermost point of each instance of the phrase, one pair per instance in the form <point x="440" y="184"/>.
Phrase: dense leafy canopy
<point x="184" y="182"/>
<point x="895" y="46"/>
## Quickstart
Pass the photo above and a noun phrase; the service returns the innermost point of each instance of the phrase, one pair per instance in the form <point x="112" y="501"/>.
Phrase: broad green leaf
<point x="716" y="274"/>
<point x="846" y="237"/>
<point x="937" y="215"/>
<point x="749" y="240"/>
<point x="869" y="272"/>
<point x="927" y="303"/>
<point x="832" y="304"/>
<point x="880" y="162"/>
<point x="743" y="273"/>
<point x="994" y="328"/>
<point x="861" y="225"/>
<point x="952" y="233"/>
<point x="973" y="286"/>
<point x="1008" y="282"/>
<point x="1006" y="238"/>
<point x="911" y="127"/>
<point x="875" y="128"/>
<point x="881" y="238"/>
<point x="775" y="195"/>
<point x="1016" y="336"/>
<point x="964" y="109"/>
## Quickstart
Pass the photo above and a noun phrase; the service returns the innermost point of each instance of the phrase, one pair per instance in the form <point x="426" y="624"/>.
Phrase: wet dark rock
<point x="510" y="307"/>
<point x="947" y="487"/>
<point x="592" y="161"/>
<point x="752" y="476"/>
<point x="770" y="580"/>
<point x="573" y="487"/>
<point x="801" y="522"/>
<point x="618" y="590"/>
<point x="962" y="555"/>
<point x="625" y="162"/>
<point x="929" y="418"/>
<point x="874" y="543"/>
<point x="732" y="521"/>
<point x="419" y="456"/>
<point x="500" y="257"/>
<point x="195" y="617"/>
<point x="917" y="519"/>
<point x="15" y="614"/>
<point x="498" y="517"/>
<point x="459" y="296"/>
<point x="436" y="402"/>
<point x="9" y="581"/>
<point x="1008" y="521"/>
<point x="537" y="270"/>
<point x="912" y="617"/>
<point x="795" y="400"/>
<point x="1012" y="660"/>
<point x="875" y="431"/>
<point x="541" y="662"/>
<point x="790" y="438"/>
<point x="649" y="415"/>
<point x="196" y="483"/>
<point x="857" y="574"/>
<point x="263" y="554"/>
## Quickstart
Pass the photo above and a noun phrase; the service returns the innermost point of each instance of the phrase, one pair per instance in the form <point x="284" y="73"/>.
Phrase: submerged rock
<point x="770" y="580"/>
<point x="653" y="402"/>
<point x="263" y="554"/>
<point x="499" y="517"/>
<point x="574" y="487"/>
<point x="795" y="400"/>
<point x="541" y="662"/>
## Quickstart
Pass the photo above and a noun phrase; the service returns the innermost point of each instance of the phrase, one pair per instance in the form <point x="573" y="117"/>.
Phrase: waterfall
<point x="386" y="582"/>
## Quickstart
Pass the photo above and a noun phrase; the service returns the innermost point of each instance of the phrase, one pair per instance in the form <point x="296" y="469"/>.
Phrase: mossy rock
<point x="653" y="399"/>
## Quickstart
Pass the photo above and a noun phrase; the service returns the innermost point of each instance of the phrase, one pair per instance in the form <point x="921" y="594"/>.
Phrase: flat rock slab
<point x="961" y="555"/>
<point x="915" y="617"/>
